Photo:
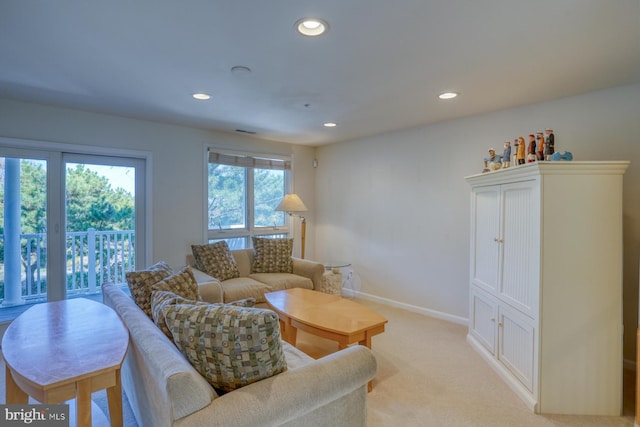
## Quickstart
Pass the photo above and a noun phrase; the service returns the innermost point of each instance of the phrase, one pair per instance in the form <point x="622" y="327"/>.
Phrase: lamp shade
<point x="291" y="203"/>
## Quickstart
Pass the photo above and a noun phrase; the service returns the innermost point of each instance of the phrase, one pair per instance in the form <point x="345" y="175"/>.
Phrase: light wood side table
<point x="67" y="349"/>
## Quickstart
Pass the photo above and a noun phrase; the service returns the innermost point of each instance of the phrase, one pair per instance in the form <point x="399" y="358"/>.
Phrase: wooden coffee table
<point x="67" y="349"/>
<point x="324" y="315"/>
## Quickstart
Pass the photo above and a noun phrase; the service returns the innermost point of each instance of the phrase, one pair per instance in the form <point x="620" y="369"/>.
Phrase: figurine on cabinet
<point x="531" y="149"/>
<point x="492" y="162"/>
<point x="506" y="155"/>
<point x="562" y="155"/>
<point x="549" y="144"/>
<point x="520" y="152"/>
<point x="540" y="145"/>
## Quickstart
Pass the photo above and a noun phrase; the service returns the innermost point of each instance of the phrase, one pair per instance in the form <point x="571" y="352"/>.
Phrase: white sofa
<point x="165" y="390"/>
<point x="306" y="274"/>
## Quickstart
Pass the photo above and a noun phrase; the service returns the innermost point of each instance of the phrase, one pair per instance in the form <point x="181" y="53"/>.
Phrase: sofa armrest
<point x="209" y="287"/>
<point x="330" y="391"/>
<point x="311" y="269"/>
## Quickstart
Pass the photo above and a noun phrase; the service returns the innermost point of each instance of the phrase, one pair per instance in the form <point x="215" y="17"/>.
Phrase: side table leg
<point x="114" y="396"/>
<point x="15" y="395"/>
<point x="83" y="403"/>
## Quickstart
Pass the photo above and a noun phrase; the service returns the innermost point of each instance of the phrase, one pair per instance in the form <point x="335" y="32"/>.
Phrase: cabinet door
<point x="516" y="345"/>
<point x="484" y="237"/>
<point x="520" y="246"/>
<point x="482" y="319"/>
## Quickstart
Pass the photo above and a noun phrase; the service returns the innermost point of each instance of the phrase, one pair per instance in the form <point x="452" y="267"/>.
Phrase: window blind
<point x="248" y="161"/>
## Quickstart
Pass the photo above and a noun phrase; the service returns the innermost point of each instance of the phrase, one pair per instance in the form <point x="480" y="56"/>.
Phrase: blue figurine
<point x="506" y="155"/>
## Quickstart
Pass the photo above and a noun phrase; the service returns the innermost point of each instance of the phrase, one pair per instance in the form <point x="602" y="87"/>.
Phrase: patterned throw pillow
<point x="229" y="346"/>
<point x="272" y="255"/>
<point x="182" y="284"/>
<point x="216" y="260"/>
<point x="141" y="281"/>
<point x="161" y="299"/>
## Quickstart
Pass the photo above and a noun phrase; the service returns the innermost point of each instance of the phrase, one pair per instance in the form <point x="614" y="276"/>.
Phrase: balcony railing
<point x="92" y="258"/>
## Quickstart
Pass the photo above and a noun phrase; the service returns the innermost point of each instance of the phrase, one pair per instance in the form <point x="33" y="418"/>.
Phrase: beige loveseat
<point x="306" y="274"/>
<point x="165" y="390"/>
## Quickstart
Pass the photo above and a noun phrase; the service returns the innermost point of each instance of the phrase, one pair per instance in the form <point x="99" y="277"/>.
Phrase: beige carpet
<point x="429" y="376"/>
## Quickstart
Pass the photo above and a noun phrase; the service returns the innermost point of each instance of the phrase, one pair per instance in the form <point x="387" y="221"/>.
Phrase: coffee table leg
<point x="367" y="343"/>
<point x="83" y="403"/>
<point x="114" y="396"/>
<point x="289" y="332"/>
<point x="15" y="395"/>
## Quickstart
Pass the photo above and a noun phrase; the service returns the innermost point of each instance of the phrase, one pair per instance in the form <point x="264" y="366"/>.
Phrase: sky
<point x="118" y="176"/>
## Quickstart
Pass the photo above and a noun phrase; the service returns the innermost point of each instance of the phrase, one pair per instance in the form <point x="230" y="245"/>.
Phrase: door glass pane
<point x="23" y="243"/>
<point x="100" y="226"/>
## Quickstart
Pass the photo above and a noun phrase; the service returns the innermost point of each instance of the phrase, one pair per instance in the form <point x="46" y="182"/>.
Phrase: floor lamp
<point x="292" y="205"/>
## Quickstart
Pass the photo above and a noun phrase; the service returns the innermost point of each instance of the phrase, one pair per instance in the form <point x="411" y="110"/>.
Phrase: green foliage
<point x="92" y="203"/>
<point x="268" y="191"/>
<point x="226" y="196"/>
<point x="33" y="197"/>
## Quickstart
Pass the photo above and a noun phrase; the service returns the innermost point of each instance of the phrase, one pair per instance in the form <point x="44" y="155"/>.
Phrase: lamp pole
<point x="303" y="233"/>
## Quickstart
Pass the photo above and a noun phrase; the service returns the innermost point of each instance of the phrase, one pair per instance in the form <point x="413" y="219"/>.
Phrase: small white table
<point x="343" y="269"/>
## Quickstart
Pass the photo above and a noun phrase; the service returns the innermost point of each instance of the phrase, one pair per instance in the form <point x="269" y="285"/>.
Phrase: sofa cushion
<point x="244" y="260"/>
<point x="230" y="346"/>
<point x="281" y="281"/>
<point x="272" y="255"/>
<point x="141" y="281"/>
<point x="245" y="287"/>
<point x="216" y="260"/>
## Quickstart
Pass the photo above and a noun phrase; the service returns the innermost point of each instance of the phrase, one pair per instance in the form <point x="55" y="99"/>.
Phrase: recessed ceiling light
<point x="311" y="27"/>
<point x="240" y="69"/>
<point x="448" y="95"/>
<point x="201" y="96"/>
<point x="330" y="125"/>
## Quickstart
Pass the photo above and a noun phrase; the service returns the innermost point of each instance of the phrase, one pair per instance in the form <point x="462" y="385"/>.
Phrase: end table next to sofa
<point x="67" y="349"/>
<point x="338" y="275"/>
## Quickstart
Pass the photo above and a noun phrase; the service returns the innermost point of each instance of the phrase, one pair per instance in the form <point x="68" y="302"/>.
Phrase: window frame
<point x="212" y="235"/>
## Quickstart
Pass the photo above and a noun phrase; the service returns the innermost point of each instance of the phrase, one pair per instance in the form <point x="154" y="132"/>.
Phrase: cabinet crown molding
<point x="531" y="170"/>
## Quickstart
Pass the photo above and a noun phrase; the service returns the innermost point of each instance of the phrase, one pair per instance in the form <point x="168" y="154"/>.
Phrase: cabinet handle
<point x="493" y="319"/>
<point x="500" y="324"/>
<point x="498" y="240"/>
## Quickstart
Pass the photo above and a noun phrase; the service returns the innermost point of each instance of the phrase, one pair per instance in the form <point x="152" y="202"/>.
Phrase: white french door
<point x="71" y="219"/>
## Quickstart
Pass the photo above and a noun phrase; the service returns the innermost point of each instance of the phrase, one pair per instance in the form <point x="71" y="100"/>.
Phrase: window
<point x="242" y="194"/>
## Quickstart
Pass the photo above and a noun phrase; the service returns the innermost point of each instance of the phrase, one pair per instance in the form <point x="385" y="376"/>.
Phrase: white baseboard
<point x="408" y="307"/>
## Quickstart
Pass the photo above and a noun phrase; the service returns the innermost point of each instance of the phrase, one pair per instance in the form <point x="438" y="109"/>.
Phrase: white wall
<point x="178" y="166"/>
<point x="397" y="205"/>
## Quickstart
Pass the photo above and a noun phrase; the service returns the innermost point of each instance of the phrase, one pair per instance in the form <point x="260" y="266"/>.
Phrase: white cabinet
<point x="545" y="299"/>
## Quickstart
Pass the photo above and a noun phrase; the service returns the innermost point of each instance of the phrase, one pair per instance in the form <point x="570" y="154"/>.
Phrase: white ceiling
<point x="379" y="68"/>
